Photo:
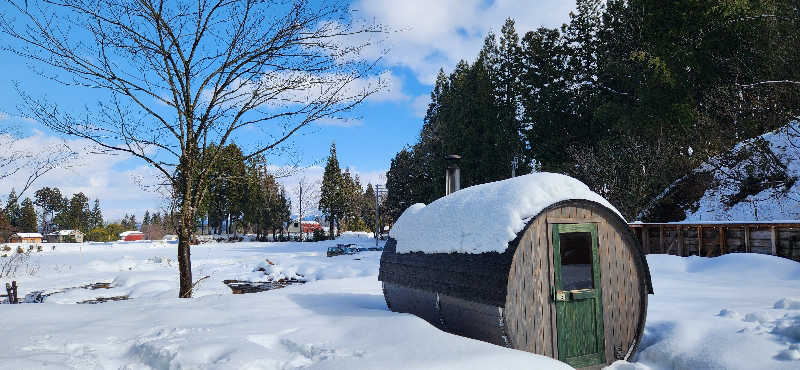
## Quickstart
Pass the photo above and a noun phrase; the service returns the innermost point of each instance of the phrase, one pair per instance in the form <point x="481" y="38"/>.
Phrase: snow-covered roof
<point x="126" y="233"/>
<point x="65" y="232"/>
<point x="310" y="223"/>
<point x="484" y="218"/>
<point x="28" y="235"/>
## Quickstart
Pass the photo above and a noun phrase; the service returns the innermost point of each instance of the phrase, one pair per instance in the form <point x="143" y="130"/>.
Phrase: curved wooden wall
<point x="505" y="298"/>
<point x="530" y="321"/>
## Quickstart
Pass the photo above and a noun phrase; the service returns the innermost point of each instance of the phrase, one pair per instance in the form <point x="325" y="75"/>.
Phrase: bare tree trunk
<point x="185" y="262"/>
<point x="185" y="234"/>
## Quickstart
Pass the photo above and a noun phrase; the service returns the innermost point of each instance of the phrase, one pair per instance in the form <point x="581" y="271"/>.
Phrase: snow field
<point x="735" y="311"/>
<point x="338" y="320"/>
<point x="738" y="311"/>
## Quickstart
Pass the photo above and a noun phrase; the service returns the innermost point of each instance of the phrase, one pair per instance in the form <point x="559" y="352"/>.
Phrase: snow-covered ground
<point x="735" y="311"/>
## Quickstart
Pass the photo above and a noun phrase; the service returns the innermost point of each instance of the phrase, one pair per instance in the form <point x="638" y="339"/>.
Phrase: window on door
<point x="576" y="261"/>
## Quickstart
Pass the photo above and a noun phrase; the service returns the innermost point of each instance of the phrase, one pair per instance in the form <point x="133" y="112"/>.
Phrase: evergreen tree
<point x="96" y="215"/>
<point x="5" y="227"/>
<point x="629" y="97"/>
<point x="402" y="190"/>
<point x="51" y="202"/>
<point x="368" y="207"/>
<point x="549" y="118"/>
<point x="227" y="191"/>
<point x="156" y="219"/>
<point x="12" y="209"/>
<point x="351" y="193"/>
<point x="61" y="220"/>
<point x="332" y="200"/>
<point x="128" y="222"/>
<point x="146" y="219"/>
<point x="503" y="61"/>
<point x="27" y="221"/>
<point x="78" y="213"/>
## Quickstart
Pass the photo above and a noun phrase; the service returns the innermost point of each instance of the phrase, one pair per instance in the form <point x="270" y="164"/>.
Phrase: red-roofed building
<point x="308" y="226"/>
<point x="130" y="236"/>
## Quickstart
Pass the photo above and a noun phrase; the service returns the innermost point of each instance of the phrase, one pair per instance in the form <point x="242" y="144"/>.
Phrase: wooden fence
<point x="713" y="239"/>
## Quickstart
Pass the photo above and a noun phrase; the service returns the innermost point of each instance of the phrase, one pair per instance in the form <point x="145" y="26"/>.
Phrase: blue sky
<point x="429" y="35"/>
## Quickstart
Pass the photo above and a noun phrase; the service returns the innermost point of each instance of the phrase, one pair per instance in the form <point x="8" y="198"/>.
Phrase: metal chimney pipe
<point x="452" y="180"/>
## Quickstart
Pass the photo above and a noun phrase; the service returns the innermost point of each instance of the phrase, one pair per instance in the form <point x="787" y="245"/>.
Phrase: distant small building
<point x="307" y="227"/>
<point x="65" y="236"/>
<point x="25" y="238"/>
<point x="130" y="236"/>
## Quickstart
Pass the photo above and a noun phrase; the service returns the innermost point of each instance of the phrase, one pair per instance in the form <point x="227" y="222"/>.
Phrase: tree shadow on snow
<point x="277" y="249"/>
<point x="342" y="304"/>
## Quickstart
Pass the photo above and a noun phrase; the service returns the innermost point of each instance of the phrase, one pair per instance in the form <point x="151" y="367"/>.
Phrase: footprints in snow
<point x="785" y="328"/>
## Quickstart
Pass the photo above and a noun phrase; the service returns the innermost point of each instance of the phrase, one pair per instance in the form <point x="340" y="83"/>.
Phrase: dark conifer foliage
<point x="27" y="222"/>
<point x="629" y="96"/>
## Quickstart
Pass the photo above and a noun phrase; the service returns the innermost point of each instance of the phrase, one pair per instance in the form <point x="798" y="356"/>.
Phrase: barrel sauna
<point x="572" y="284"/>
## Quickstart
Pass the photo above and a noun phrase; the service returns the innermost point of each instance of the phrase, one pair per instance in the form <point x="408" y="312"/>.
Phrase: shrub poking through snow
<point x="273" y="272"/>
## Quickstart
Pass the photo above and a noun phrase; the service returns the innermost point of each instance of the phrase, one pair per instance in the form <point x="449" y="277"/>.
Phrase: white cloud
<point x="301" y="87"/>
<point x="339" y="122"/>
<point x="110" y="178"/>
<point x="420" y="105"/>
<point x="5" y="116"/>
<point x="437" y="34"/>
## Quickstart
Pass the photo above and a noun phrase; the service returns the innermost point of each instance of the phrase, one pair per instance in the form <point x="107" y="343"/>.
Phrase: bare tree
<point x="179" y="76"/>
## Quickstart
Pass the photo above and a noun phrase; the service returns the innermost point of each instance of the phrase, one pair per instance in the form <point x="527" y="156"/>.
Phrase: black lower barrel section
<point x="457" y="292"/>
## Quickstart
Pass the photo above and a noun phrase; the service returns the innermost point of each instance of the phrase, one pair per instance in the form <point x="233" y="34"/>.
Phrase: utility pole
<point x="300" y="216"/>
<point x="378" y="192"/>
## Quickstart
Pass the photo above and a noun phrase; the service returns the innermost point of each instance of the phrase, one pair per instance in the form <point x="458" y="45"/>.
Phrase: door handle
<point x="562" y="296"/>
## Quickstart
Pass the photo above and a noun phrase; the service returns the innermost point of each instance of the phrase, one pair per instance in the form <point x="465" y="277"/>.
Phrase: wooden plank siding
<point x="622" y="281"/>
<point x="715" y="239"/>
<point x="506" y="298"/>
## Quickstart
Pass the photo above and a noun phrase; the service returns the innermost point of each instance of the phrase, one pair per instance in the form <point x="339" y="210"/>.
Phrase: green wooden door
<point x="577" y="295"/>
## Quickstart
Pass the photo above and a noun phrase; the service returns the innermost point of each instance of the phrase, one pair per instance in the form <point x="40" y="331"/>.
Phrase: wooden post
<point x="645" y="239"/>
<point x="722" y="243"/>
<point x="700" y="241"/>
<point x="661" y="239"/>
<point x="747" y="239"/>
<point x="681" y="244"/>
<point x="11" y="290"/>
<point x="774" y="238"/>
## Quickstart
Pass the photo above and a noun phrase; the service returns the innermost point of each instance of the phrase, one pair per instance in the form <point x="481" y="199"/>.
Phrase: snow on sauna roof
<point x="484" y="218"/>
